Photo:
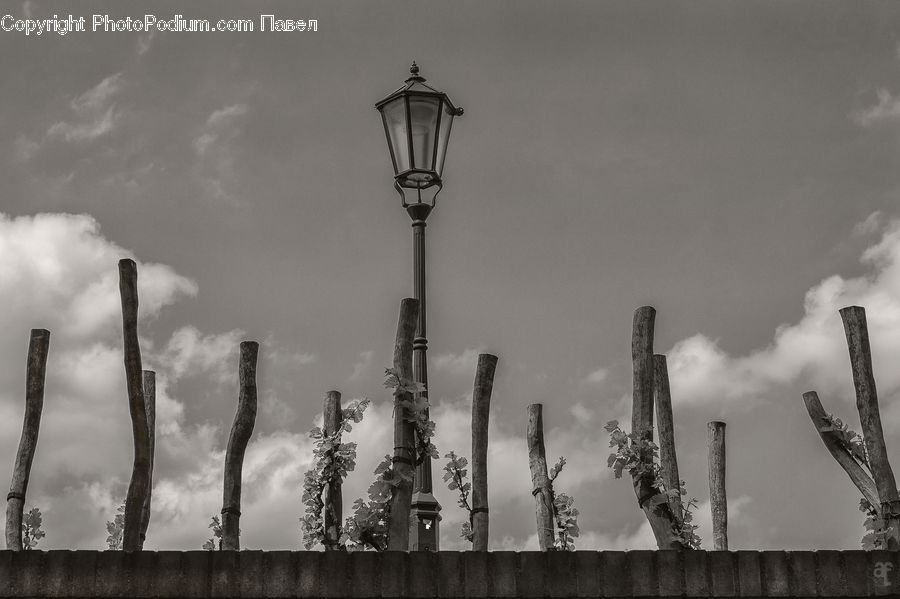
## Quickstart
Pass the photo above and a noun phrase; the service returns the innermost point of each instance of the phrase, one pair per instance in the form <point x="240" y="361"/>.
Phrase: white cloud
<point x="363" y="364"/>
<point x="93" y="113"/>
<point x="887" y="110"/>
<point x="598" y="376"/>
<point x="215" y="151"/>
<point x="812" y="350"/>
<point x="462" y="363"/>
<point x="871" y="224"/>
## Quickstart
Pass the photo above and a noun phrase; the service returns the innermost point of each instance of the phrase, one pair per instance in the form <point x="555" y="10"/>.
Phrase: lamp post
<point x="417" y="120"/>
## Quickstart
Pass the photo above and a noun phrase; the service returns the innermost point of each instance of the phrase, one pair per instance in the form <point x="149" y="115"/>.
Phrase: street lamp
<point x="417" y="120"/>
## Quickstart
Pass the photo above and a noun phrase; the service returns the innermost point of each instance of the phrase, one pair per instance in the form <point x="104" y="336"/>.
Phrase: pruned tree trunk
<point x="668" y="461"/>
<point x="332" y="497"/>
<point x="140" y="472"/>
<point x="854" y="319"/>
<point x="241" y="429"/>
<point x="35" y="371"/>
<point x="717" y="498"/>
<point x="540" y="481"/>
<point x="659" y="515"/>
<point x="481" y="411"/>
<point x="857" y="473"/>
<point x="404" y="429"/>
<point x="150" y="403"/>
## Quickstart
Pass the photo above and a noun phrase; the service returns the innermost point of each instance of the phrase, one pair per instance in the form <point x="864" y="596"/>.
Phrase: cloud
<point x="812" y="351"/>
<point x="363" y="364"/>
<point x="598" y="376"/>
<point x="870" y="225"/>
<point x="93" y="113"/>
<point x="462" y="363"/>
<point x="887" y="110"/>
<point x="215" y="152"/>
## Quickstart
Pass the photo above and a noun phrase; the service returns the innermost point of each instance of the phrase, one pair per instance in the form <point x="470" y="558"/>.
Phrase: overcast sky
<point x="732" y="164"/>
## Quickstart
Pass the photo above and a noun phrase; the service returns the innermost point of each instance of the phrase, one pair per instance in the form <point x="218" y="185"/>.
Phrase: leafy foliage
<point x="455" y="477"/>
<point x="877" y="528"/>
<point x="416" y="411"/>
<point x="116" y="529"/>
<point x="31" y="528"/>
<point x="333" y="459"/>
<point x="368" y="526"/>
<point x="564" y="513"/>
<point x="640" y="457"/>
<point x="852" y="441"/>
<point x="216" y="541"/>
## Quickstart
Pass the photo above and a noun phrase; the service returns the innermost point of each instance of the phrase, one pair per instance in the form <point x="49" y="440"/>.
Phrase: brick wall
<point x="449" y="574"/>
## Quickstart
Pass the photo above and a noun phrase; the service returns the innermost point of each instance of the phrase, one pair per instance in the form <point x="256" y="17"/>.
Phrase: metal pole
<point x="424" y="533"/>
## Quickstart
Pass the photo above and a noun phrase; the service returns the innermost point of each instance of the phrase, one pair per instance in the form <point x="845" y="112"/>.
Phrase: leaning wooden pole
<point x="856" y="330"/>
<point x="668" y="461"/>
<point x="332" y="497"/>
<point x="241" y="429"/>
<point x="404" y="429"/>
<point x="150" y="403"/>
<point x="717" y="498"/>
<point x="481" y="411"/>
<point x="659" y="515"/>
<point x="36" y="368"/>
<point x="835" y="445"/>
<point x="540" y="481"/>
<point x="140" y="472"/>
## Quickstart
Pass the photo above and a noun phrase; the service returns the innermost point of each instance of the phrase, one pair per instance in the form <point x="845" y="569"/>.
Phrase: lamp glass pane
<point x="443" y="138"/>
<point x="394" y="114"/>
<point x="423" y="113"/>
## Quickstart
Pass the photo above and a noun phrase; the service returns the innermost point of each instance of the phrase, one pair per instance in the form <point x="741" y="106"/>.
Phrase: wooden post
<point x="332" y="497"/>
<point x="241" y="430"/>
<point x="150" y="403"/>
<point x="481" y="411"/>
<point x="140" y="473"/>
<point x="404" y="429"/>
<point x="854" y="319"/>
<point x="36" y="368"/>
<point x="667" y="460"/>
<point x="659" y="516"/>
<point x="717" y="499"/>
<point x="540" y="481"/>
<point x="841" y="454"/>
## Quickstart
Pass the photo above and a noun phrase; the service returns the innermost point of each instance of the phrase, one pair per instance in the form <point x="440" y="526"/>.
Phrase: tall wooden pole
<point x="481" y="411"/>
<point x="540" y="481"/>
<point x="150" y="403"/>
<point x="332" y="496"/>
<point x="36" y="368"/>
<point x="404" y="430"/>
<point x="140" y="472"/>
<point x="667" y="459"/>
<point x="856" y="330"/>
<point x="660" y="517"/>
<point x="241" y="429"/>
<point x="717" y="498"/>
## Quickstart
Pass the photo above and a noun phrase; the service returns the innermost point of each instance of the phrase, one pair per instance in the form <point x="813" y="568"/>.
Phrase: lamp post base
<point x="424" y="530"/>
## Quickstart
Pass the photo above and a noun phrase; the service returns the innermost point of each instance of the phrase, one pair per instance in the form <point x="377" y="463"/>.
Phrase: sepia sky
<point x="733" y="164"/>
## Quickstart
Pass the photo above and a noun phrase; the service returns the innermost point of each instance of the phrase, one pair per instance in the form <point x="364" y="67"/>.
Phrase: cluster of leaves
<point x="333" y="459"/>
<point x="564" y="513"/>
<point x="31" y="528"/>
<point x="640" y="457"/>
<point x="851" y="441"/>
<point x="877" y="528"/>
<point x="416" y="411"/>
<point x="116" y="529"/>
<point x="216" y="541"/>
<point x="367" y="528"/>
<point x="455" y="477"/>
